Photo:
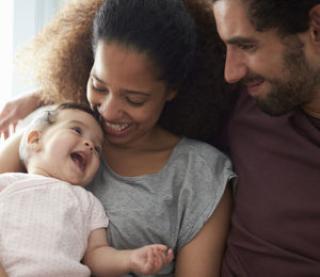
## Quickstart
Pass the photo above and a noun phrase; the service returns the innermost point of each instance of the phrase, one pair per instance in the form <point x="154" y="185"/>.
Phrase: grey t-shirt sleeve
<point x="203" y="186"/>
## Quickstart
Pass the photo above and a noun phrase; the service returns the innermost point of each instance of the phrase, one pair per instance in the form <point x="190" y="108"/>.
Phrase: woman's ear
<point x="315" y="24"/>
<point x="33" y="140"/>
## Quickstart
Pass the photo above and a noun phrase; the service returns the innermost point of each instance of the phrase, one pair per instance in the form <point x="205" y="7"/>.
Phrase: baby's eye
<point x="77" y="130"/>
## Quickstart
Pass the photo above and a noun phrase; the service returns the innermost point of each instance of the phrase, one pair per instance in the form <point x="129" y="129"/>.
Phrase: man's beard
<point x="296" y="88"/>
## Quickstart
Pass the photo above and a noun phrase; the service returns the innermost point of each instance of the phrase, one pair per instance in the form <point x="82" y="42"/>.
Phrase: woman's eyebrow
<point x="97" y="78"/>
<point x="142" y="93"/>
<point x="123" y="90"/>
<point x="139" y="93"/>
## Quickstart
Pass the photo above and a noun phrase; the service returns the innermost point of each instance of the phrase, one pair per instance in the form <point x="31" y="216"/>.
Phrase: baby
<point x="49" y="224"/>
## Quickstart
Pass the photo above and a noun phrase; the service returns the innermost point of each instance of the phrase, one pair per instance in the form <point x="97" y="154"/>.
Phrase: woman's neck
<point x="146" y="157"/>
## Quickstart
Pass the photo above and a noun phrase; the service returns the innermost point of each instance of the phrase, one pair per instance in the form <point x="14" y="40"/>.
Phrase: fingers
<point x="170" y="255"/>
<point x="7" y="129"/>
<point x="8" y="121"/>
<point x="158" y="256"/>
<point x="15" y="110"/>
<point x="164" y="252"/>
<point x="150" y="259"/>
<point x="4" y="122"/>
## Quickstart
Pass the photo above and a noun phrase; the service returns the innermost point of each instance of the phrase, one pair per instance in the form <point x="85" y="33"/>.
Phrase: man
<point x="273" y="51"/>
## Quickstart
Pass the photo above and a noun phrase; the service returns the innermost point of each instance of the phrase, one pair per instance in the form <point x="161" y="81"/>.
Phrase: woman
<point x="156" y="185"/>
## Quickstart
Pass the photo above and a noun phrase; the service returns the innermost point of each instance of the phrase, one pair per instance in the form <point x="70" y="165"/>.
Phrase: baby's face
<point x="71" y="148"/>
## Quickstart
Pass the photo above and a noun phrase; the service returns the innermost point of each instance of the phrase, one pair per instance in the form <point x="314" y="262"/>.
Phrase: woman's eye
<point x="99" y="89"/>
<point x="77" y="130"/>
<point x="135" y="102"/>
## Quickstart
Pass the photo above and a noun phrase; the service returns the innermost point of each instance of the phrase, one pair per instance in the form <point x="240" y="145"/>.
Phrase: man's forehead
<point x="232" y="19"/>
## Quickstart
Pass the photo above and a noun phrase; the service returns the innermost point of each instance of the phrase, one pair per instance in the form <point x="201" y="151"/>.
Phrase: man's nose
<point x="235" y="67"/>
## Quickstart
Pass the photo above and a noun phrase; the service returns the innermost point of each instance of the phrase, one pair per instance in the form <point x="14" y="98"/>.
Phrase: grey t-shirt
<point x="168" y="207"/>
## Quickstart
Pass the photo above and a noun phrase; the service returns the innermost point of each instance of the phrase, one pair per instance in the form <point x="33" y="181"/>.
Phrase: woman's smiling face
<point x="127" y="92"/>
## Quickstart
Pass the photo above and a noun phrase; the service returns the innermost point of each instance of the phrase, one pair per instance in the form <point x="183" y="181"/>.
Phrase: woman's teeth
<point x="117" y="127"/>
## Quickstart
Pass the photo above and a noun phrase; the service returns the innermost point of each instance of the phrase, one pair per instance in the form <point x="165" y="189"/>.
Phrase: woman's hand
<point x="15" y="110"/>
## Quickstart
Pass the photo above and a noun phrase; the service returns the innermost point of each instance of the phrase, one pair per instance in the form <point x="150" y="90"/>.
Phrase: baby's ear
<point x="33" y="140"/>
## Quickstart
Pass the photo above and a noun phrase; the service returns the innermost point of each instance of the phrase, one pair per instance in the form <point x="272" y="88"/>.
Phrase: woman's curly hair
<point x="62" y="56"/>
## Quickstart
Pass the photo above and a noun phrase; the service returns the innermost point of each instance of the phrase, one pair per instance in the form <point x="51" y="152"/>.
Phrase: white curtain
<point x="20" y="20"/>
<point x="6" y="48"/>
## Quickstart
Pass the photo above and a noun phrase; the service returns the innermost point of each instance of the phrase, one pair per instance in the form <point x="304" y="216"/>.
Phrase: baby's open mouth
<point x="79" y="159"/>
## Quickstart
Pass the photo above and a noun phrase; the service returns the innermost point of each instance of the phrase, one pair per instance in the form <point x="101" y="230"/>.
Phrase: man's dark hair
<point x="288" y="17"/>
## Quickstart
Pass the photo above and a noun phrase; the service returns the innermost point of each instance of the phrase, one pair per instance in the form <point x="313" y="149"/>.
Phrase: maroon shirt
<point x="276" y="221"/>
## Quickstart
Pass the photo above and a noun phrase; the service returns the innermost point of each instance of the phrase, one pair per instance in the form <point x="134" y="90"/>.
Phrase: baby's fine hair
<point x="47" y="119"/>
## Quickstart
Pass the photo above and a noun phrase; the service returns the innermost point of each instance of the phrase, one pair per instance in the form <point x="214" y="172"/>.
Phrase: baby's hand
<point x="150" y="259"/>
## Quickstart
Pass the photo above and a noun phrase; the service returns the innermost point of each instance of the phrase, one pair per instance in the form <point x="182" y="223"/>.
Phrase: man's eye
<point x="77" y="130"/>
<point x="247" y="47"/>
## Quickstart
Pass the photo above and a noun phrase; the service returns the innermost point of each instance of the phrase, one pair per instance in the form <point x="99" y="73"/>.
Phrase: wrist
<point x="129" y="261"/>
<point x="38" y="99"/>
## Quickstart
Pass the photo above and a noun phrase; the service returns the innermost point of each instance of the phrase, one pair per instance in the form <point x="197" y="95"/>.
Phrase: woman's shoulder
<point x="201" y="151"/>
<point x="199" y="161"/>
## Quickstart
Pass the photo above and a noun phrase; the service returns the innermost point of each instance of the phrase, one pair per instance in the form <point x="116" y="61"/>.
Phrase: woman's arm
<point x="16" y="109"/>
<point x="2" y="272"/>
<point x="104" y="260"/>
<point x="9" y="155"/>
<point x="203" y="255"/>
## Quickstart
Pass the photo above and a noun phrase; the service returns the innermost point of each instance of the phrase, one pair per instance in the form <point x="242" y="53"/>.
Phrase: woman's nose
<point x="110" y="108"/>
